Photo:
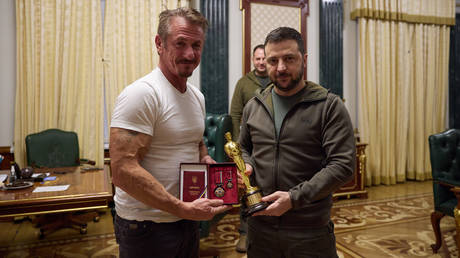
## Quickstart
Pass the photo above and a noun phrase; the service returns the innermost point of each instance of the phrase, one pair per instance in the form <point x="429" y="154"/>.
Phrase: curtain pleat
<point x="440" y="12"/>
<point x="403" y="80"/>
<point x="130" y="28"/>
<point x="62" y="67"/>
<point x="59" y="73"/>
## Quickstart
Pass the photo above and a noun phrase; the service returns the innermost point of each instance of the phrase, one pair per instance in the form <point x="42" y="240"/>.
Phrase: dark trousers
<point x="243" y="229"/>
<point x="266" y="240"/>
<point x="137" y="239"/>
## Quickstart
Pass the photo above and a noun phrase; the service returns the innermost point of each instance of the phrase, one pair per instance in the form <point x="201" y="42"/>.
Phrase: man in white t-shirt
<point x="157" y="123"/>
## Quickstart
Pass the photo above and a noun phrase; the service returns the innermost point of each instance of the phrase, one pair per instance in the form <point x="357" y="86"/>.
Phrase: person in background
<point x="298" y="145"/>
<point x="247" y="86"/>
<point x="245" y="89"/>
<point x="157" y="123"/>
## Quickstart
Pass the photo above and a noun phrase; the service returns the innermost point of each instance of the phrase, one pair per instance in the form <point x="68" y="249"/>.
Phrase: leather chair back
<point x="445" y="162"/>
<point x="216" y="125"/>
<point x="52" y="148"/>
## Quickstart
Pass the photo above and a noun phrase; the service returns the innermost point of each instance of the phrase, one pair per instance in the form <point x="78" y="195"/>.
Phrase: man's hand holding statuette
<point x="280" y="202"/>
<point x="248" y="172"/>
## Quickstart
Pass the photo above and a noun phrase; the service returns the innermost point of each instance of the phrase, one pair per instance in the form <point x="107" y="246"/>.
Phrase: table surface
<point x="87" y="190"/>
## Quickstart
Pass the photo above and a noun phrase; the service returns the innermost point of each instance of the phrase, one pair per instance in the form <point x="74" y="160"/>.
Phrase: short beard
<point x="292" y="84"/>
<point x="185" y="75"/>
<point x="261" y="73"/>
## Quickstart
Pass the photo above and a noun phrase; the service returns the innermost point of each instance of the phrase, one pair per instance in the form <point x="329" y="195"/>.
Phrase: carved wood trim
<point x="245" y="6"/>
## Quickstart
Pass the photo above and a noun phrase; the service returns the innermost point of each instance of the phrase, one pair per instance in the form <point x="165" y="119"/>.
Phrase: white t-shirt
<point x="175" y="120"/>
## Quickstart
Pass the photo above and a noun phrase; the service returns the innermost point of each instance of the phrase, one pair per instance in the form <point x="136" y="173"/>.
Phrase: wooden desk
<point x="87" y="190"/>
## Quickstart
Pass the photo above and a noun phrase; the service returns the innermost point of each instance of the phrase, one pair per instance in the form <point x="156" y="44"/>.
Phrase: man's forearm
<point x="127" y="149"/>
<point x="144" y="187"/>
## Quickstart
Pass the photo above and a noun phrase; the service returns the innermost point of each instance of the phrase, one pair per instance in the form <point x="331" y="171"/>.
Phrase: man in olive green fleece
<point x="247" y="86"/>
<point x="298" y="145"/>
<point x="245" y="89"/>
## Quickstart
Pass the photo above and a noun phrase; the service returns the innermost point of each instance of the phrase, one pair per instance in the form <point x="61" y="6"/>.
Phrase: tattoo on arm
<point x="126" y="136"/>
<point x="131" y="132"/>
<point x="129" y="141"/>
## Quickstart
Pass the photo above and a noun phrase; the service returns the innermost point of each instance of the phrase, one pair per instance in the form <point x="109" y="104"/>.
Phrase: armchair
<point x="215" y="128"/>
<point x="54" y="148"/>
<point x="50" y="149"/>
<point x="216" y="125"/>
<point x="445" y="166"/>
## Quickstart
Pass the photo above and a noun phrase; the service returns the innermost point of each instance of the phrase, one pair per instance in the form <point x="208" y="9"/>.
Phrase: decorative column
<point x="214" y="62"/>
<point x="454" y="75"/>
<point x="331" y="45"/>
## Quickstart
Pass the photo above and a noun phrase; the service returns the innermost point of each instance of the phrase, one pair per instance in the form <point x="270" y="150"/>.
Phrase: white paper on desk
<point x="3" y="177"/>
<point x="56" y="188"/>
<point x="34" y="175"/>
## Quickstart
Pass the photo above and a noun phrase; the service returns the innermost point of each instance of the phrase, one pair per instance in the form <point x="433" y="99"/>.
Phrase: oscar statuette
<point x="253" y="196"/>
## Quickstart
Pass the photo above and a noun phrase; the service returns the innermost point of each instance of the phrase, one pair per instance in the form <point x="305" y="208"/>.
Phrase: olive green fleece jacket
<point x="245" y="89"/>
<point x="313" y="156"/>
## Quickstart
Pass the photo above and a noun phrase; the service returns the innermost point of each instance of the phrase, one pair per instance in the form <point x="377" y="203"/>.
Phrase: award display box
<point x="213" y="181"/>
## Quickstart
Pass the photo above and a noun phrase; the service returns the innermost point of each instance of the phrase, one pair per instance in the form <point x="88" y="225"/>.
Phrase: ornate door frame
<point x="245" y="6"/>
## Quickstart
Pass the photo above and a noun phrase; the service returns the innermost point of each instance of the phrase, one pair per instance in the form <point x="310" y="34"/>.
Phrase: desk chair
<point x="54" y="148"/>
<point x="50" y="149"/>
<point x="445" y="166"/>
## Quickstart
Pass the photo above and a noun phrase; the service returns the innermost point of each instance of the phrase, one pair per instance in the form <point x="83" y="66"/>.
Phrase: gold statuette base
<point x="253" y="196"/>
<point x="253" y="203"/>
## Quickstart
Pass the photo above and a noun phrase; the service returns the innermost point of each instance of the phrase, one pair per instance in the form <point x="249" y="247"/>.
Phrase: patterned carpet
<point x="391" y="228"/>
<point x="384" y="228"/>
<point x="224" y="236"/>
<point x="78" y="246"/>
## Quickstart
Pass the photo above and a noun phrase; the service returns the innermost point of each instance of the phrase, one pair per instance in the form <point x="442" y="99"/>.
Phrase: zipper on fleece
<point x="277" y="147"/>
<point x="275" y="160"/>
<point x="275" y="167"/>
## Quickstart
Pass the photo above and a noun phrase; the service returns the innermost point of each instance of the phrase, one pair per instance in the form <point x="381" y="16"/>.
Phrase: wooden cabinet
<point x="7" y="158"/>
<point x="356" y="186"/>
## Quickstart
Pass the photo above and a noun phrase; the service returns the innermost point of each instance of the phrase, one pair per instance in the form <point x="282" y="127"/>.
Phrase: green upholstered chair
<point x="216" y="125"/>
<point x="53" y="148"/>
<point x="445" y="166"/>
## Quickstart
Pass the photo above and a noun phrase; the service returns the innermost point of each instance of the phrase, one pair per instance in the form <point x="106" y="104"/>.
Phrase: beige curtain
<point x="441" y="12"/>
<point x="59" y="73"/>
<point x="130" y="27"/>
<point x="403" y="84"/>
<point x="60" y="61"/>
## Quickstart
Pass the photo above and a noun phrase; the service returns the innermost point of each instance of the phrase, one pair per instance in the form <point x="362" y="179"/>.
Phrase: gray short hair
<point x="190" y="14"/>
